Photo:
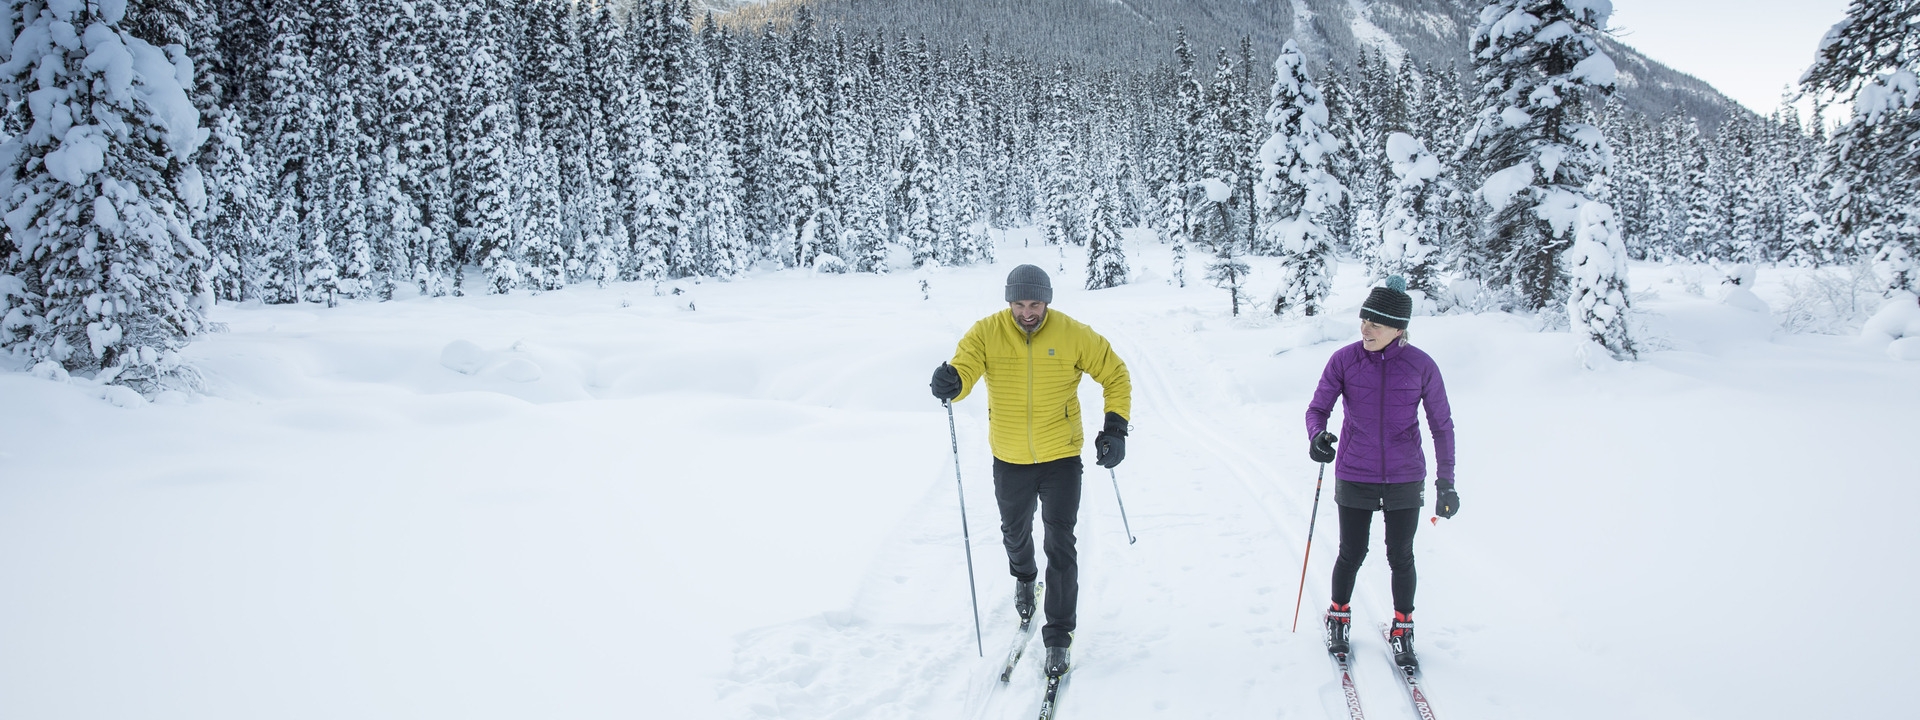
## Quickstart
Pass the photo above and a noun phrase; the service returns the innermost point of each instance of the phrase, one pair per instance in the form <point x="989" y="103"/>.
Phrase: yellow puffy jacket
<point x="1033" y="383"/>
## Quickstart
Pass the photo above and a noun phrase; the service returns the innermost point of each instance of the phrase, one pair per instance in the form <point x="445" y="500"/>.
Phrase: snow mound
<point x="520" y="370"/>
<point x="463" y="357"/>
<point x="49" y="370"/>
<point x="1906" y="348"/>
<point x="122" y="396"/>
<point x="1332" y="327"/>
<point x="1744" y="299"/>
<point x="1899" y="318"/>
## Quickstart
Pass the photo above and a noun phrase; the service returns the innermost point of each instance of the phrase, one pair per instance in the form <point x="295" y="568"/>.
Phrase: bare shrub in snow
<point x="1829" y="301"/>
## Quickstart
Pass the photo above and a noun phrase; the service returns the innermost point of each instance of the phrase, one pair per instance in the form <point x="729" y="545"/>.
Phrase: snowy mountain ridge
<point x="1138" y="34"/>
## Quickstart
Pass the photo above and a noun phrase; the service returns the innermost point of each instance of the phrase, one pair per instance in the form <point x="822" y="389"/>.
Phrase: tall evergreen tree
<point x="485" y="137"/>
<point x="1871" y="59"/>
<point x="294" y="125"/>
<point x="103" y="272"/>
<point x="1179" y="178"/>
<point x="1106" y="254"/>
<point x="1545" y="163"/>
<point x="1410" y="220"/>
<point x="1296" y="191"/>
<point x="1066" y="204"/>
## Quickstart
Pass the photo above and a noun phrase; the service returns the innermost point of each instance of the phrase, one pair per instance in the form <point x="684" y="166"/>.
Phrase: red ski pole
<point x="1303" y="561"/>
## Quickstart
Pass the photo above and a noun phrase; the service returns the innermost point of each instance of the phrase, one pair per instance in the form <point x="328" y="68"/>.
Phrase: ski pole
<point x="1303" y="561"/>
<point x="965" y="536"/>
<point x="1123" y="507"/>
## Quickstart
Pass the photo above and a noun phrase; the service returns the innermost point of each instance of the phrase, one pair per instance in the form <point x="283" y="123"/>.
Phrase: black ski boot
<point x="1339" y="625"/>
<point x="1400" y="638"/>
<point x="1057" y="663"/>
<point x="1023" y="600"/>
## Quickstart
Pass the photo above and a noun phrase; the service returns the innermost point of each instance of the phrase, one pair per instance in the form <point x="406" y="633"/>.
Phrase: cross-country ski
<point x="1024" y="635"/>
<point x="1410" y="677"/>
<point x="1349" y="691"/>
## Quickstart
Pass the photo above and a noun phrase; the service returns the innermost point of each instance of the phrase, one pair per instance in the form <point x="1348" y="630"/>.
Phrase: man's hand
<point x="946" y="382"/>
<point x="1321" y="450"/>
<point x="1110" y="446"/>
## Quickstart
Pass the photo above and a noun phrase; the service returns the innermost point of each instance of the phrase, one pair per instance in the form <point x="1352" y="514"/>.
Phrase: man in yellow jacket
<point x="1032" y="359"/>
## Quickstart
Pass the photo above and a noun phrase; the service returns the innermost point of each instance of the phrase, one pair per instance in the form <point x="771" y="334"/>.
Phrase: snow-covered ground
<point x="739" y="502"/>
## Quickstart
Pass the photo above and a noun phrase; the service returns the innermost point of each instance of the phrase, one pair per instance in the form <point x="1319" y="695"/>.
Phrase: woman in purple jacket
<point x="1382" y="382"/>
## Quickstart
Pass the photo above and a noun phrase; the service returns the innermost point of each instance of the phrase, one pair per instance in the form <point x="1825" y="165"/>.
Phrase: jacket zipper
<point x="1383" y="416"/>
<point x="1033" y="451"/>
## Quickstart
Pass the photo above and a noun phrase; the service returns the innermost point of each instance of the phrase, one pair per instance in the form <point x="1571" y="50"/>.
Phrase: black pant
<point x="1055" y="485"/>
<point x="1354" y="525"/>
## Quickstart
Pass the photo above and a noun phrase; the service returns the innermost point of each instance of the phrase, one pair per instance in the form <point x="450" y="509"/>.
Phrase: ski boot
<point x="1400" y="638"/>
<point x="1339" y="625"/>
<point x="1057" y="663"/>
<point x="1023" y="601"/>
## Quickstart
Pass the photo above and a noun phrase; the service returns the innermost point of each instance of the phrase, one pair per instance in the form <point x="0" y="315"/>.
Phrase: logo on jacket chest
<point x="1049" y="352"/>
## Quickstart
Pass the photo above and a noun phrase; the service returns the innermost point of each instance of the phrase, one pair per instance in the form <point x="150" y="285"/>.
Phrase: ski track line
<point x="1369" y="591"/>
<point x="1254" y="476"/>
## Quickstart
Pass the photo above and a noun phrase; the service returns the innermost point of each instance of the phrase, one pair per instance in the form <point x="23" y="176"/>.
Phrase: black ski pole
<point x="1123" y="506"/>
<point x="1303" y="561"/>
<point x="965" y="536"/>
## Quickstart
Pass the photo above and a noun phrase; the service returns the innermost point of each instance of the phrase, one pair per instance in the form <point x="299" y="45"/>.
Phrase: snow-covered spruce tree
<point x="485" y="136"/>
<point x="672" y="73"/>
<point x="196" y="27"/>
<point x="236" y="212"/>
<point x="1597" y="305"/>
<point x="1705" y="224"/>
<point x="1410" y="223"/>
<point x="539" y="256"/>
<point x="103" y="272"/>
<point x="1106" y="256"/>
<point x="600" y="89"/>
<point x="1544" y="161"/>
<point x="1295" y="190"/>
<point x="1872" y="60"/>
<point x="863" y="229"/>
<point x="337" y="203"/>
<point x="716" y="226"/>
<point x="292" y="155"/>
<point x="421" y="134"/>
<point x="1228" y="270"/>
<point x="1174" y="198"/>
<point x="913" y="197"/>
<point x="664" y="166"/>
<point x="1065" y="221"/>
<point x="1365" y="114"/>
<point x="810" y="225"/>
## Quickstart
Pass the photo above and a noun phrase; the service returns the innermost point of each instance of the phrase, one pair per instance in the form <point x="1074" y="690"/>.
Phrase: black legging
<point x="1354" y="525"/>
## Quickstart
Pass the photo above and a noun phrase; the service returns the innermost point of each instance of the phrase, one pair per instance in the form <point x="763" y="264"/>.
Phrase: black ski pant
<point x="1354" y="526"/>
<point x="1055" y="487"/>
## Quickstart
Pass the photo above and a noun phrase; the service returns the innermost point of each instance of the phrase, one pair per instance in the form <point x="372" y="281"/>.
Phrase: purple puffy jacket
<point x="1380" y="435"/>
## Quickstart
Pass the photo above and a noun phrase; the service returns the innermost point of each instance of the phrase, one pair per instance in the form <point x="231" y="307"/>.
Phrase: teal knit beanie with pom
<point x="1390" y="306"/>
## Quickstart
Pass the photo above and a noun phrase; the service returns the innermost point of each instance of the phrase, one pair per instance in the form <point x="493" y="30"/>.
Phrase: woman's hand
<point x="1322" y="448"/>
<point x="1449" y="501"/>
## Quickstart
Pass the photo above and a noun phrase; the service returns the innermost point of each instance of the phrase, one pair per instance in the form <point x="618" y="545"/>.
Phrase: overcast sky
<point x="1749" y="49"/>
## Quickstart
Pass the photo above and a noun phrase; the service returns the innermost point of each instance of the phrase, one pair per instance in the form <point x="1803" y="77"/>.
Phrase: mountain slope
<point x="1139" y="34"/>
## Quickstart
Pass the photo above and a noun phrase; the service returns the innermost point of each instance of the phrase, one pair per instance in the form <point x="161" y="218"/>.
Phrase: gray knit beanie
<point x="1029" y="282"/>
<point x="1390" y="305"/>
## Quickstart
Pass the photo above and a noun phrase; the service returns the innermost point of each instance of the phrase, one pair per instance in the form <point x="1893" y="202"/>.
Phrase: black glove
<point x="946" y="382"/>
<point x="1449" y="501"/>
<point x="1321" y="450"/>
<point x="1110" y="446"/>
